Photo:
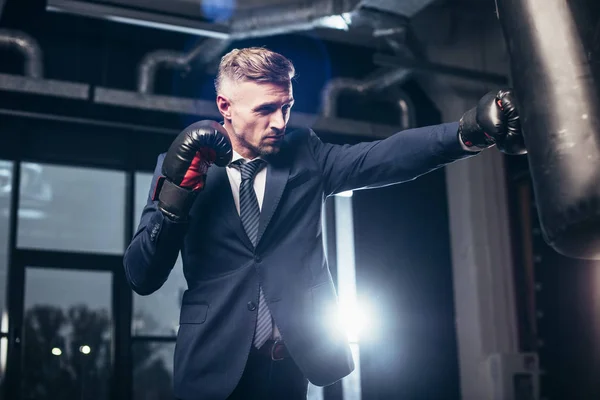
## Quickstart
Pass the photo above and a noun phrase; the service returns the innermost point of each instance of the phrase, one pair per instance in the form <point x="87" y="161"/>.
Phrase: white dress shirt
<point x="260" y="180"/>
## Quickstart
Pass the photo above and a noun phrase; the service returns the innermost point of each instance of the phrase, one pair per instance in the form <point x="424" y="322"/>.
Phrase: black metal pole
<point x="15" y="295"/>
<point x="123" y="303"/>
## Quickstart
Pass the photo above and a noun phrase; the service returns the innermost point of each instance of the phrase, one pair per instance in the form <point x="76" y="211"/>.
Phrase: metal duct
<point x="33" y="81"/>
<point x="249" y="24"/>
<point x="28" y="47"/>
<point x="287" y="18"/>
<point x="406" y="8"/>
<point x="205" y="52"/>
<point x="384" y="24"/>
<point x="383" y="80"/>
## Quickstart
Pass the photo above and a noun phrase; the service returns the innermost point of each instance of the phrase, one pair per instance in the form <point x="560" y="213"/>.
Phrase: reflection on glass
<point x="6" y="171"/>
<point x="71" y="208"/>
<point x="6" y="176"/>
<point x="153" y="370"/>
<point x="157" y="314"/>
<point x="66" y="335"/>
<point x="346" y="276"/>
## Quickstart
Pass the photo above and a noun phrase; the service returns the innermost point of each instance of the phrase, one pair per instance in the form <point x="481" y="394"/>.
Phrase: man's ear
<point x="224" y="106"/>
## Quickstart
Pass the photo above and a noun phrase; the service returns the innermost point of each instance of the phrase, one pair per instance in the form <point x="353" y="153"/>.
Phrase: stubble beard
<point x="260" y="150"/>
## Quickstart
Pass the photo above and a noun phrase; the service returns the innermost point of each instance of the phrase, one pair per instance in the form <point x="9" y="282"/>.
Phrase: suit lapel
<point x="218" y="181"/>
<point x="277" y="176"/>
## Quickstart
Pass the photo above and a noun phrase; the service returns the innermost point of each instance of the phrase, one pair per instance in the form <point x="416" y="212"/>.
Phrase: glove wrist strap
<point x="173" y="200"/>
<point x="471" y="134"/>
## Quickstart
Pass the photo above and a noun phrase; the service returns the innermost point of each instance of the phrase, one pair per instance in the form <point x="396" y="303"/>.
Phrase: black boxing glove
<point x="185" y="166"/>
<point x="494" y="121"/>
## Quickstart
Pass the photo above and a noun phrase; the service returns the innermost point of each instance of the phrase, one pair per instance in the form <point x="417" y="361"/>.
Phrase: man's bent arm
<point x="399" y="158"/>
<point x="154" y="248"/>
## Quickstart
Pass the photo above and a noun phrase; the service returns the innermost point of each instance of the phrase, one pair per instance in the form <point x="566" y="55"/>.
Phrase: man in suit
<point x="242" y="202"/>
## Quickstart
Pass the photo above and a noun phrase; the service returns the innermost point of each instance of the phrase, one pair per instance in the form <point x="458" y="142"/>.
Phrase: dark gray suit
<point x="223" y="269"/>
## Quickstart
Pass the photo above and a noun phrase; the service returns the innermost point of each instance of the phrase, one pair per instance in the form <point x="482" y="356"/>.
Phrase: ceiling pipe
<point x="383" y="80"/>
<point x="407" y="111"/>
<point x="32" y="80"/>
<point x="28" y="47"/>
<point x="392" y="29"/>
<point x="204" y="53"/>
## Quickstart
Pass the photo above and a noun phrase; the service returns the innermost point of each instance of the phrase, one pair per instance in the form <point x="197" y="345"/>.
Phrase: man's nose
<point x="278" y="121"/>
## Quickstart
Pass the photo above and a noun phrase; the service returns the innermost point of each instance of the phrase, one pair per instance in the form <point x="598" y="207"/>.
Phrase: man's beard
<point x="260" y="150"/>
<point x="269" y="150"/>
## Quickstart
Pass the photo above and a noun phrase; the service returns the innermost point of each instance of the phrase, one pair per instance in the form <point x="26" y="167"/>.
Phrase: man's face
<point x="257" y="115"/>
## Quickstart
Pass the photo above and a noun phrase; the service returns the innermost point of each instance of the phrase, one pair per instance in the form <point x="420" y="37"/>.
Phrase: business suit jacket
<point x="223" y="270"/>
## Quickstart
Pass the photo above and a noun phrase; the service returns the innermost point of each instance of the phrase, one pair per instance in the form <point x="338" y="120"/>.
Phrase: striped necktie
<point x="249" y="214"/>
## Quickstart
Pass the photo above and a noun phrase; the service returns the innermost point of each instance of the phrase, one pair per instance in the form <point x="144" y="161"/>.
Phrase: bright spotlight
<point x="353" y="319"/>
<point x="85" y="349"/>
<point x="56" y="351"/>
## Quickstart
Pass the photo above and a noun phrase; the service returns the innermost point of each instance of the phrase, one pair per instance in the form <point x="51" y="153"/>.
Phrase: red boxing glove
<point x="196" y="173"/>
<point x="186" y="163"/>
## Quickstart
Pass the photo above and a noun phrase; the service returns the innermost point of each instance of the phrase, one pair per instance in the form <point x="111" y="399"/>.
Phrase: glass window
<point x="153" y="370"/>
<point x="6" y="176"/>
<point x="158" y="313"/>
<point x="6" y="171"/>
<point x="66" y="334"/>
<point x="71" y="209"/>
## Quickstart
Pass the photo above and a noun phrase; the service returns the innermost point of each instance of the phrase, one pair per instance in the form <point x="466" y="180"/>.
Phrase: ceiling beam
<point x="420" y="66"/>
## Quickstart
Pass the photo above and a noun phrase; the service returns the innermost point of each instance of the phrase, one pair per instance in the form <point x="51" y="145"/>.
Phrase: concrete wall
<point x="469" y="36"/>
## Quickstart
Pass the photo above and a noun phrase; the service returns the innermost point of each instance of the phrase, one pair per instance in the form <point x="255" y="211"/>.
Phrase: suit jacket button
<point x="251" y="306"/>
<point x="257" y="258"/>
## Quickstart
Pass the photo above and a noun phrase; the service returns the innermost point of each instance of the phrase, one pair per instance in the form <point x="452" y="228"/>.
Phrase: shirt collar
<point x="236" y="156"/>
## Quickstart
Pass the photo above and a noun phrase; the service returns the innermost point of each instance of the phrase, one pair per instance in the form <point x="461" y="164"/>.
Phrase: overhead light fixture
<point x="169" y="27"/>
<point x="139" y="18"/>
<point x="334" y="22"/>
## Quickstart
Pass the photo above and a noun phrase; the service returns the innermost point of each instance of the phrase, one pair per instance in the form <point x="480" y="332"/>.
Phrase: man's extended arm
<point x="414" y="152"/>
<point x="398" y="158"/>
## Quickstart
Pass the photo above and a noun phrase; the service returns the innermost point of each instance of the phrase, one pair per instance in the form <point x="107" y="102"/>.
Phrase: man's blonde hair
<point x="256" y="64"/>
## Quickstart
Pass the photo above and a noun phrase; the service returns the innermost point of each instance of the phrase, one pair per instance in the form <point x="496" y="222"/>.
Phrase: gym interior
<point x="448" y="288"/>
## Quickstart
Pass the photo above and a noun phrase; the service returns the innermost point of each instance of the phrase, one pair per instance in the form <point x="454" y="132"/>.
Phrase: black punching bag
<point x="556" y="78"/>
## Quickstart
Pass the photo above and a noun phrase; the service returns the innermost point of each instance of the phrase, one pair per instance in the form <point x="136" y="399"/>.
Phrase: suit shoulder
<point x="299" y="133"/>
<point x="300" y="136"/>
